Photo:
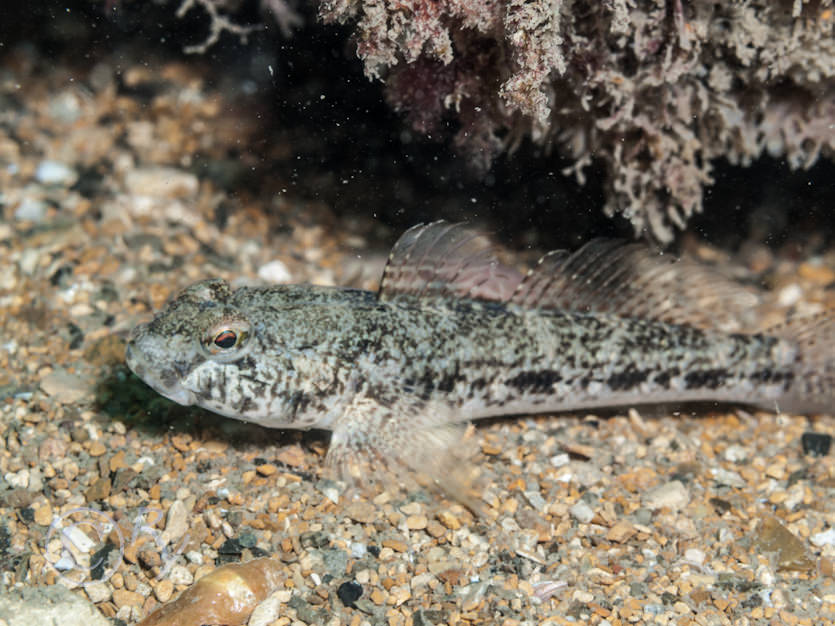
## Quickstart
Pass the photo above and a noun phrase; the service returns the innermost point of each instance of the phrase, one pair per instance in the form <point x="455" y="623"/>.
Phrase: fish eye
<point x="225" y="339"/>
<point x="228" y="337"/>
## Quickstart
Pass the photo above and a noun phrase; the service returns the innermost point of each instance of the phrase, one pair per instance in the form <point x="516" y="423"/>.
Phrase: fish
<point x="455" y="335"/>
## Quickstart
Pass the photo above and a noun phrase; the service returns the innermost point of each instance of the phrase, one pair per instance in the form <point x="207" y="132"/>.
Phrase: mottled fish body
<point x="453" y="335"/>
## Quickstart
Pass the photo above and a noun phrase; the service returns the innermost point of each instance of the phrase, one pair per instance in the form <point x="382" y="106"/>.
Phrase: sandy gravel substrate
<point x="715" y="516"/>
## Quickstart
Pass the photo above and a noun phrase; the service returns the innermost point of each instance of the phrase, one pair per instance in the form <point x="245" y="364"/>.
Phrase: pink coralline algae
<point x="654" y="89"/>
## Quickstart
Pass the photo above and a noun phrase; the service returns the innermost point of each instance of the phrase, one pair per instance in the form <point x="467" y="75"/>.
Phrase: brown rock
<point x="451" y="576"/>
<point x="291" y="455"/>
<point x="267" y="469"/>
<point x="435" y="529"/>
<point x="164" y="590"/>
<point x="620" y="532"/>
<point x="123" y="597"/>
<point x="117" y="461"/>
<point x="52" y="448"/>
<point x="99" y="490"/>
<point x="123" y="478"/>
<point x="449" y="520"/>
<point x="362" y="512"/>
<point x="579" y="449"/>
<point x="773" y="537"/>
<point x="96" y="449"/>
<point x="416" y="522"/>
<point x="395" y="544"/>
<point x="43" y="514"/>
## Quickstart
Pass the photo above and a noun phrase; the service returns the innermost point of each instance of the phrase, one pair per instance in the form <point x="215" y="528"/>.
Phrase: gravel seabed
<point x="114" y="195"/>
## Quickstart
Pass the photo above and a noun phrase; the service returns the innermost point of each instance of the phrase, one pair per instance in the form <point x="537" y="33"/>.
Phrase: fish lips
<point x="173" y="392"/>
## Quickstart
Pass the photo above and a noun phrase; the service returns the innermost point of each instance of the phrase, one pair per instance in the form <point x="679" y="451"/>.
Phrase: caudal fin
<point x="813" y="387"/>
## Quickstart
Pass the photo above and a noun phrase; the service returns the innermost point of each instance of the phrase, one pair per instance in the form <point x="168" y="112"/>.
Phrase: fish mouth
<point x="155" y="377"/>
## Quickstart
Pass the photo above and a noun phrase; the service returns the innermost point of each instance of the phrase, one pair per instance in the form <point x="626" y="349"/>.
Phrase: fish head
<point x="191" y="342"/>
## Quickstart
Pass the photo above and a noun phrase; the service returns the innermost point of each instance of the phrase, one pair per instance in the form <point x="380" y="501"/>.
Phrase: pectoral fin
<point x="402" y="442"/>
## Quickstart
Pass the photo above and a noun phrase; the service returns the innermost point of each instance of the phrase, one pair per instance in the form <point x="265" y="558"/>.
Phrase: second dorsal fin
<point x="629" y="280"/>
<point x="446" y="259"/>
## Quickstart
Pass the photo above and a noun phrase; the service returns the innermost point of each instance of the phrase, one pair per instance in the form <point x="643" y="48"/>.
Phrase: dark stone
<point x="752" y="601"/>
<point x="101" y="559"/>
<point x="816" y="444"/>
<point x="17" y="498"/>
<point x="349" y="592"/>
<point x="61" y="276"/>
<point x="230" y="546"/>
<point x="374" y="551"/>
<point x="304" y="611"/>
<point x="429" y="617"/>
<point x="75" y="336"/>
<point x="720" y="506"/>
<point x="314" y="539"/>
<point x="122" y="479"/>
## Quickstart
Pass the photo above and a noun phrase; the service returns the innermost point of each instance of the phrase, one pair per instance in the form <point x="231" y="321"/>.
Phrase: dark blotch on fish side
<point x="705" y="379"/>
<point x="628" y="378"/>
<point x="535" y="381"/>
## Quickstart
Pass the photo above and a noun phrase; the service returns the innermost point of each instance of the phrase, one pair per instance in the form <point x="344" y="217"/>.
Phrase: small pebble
<point x="584" y="597"/>
<point x="672" y="495"/>
<point x="65" y="388"/>
<point x="349" y="592"/>
<point x="582" y="512"/>
<point x="164" y="590"/>
<point x="176" y="522"/>
<point x="416" y="522"/>
<point x="735" y="454"/>
<point x="361" y="511"/>
<point x="98" y="591"/>
<point x="435" y="529"/>
<point x="266" y="469"/>
<point x="30" y="210"/>
<point x="55" y="173"/>
<point x="123" y="597"/>
<point x="727" y="477"/>
<point x="790" y="295"/>
<point x="19" y="479"/>
<point x="43" y="514"/>
<point x="824" y="538"/>
<point x="449" y="520"/>
<point x="96" y="449"/>
<point x="98" y="491"/>
<point x="275" y="272"/>
<point x="179" y="575"/>
<point x="163" y="182"/>
<point x="395" y="544"/>
<point x="292" y="456"/>
<point x="269" y="610"/>
<point x="620" y="532"/>
<point x="694" y="556"/>
<point x="772" y="537"/>
<point x="558" y="460"/>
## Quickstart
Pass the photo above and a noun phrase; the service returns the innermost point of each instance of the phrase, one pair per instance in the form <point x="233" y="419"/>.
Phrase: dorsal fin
<point x="627" y="279"/>
<point x="446" y="259"/>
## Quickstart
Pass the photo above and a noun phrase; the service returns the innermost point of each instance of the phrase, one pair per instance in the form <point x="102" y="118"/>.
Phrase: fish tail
<point x="812" y="389"/>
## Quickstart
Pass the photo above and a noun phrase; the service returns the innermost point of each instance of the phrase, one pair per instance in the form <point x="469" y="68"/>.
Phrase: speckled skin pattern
<point x="372" y="370"/>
